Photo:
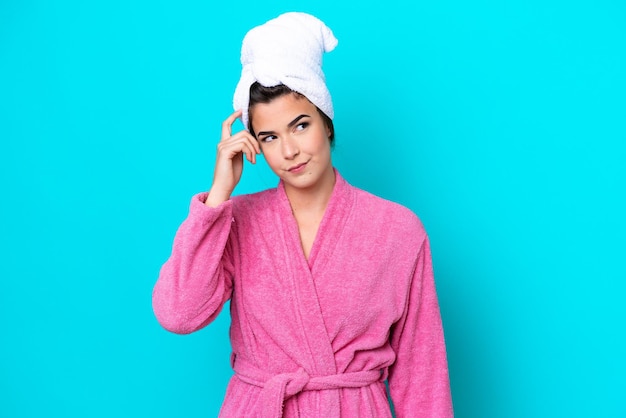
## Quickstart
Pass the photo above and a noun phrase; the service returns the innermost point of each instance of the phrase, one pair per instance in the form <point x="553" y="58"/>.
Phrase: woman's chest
<point x="352" y="290"/>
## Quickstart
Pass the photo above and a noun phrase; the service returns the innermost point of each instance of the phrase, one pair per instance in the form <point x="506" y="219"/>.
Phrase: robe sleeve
<point x="418" y="380"/>
<point x="196" y="280"/>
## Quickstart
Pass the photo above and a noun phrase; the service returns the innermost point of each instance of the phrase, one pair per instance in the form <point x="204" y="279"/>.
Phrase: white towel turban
<point x="286" y="50"/>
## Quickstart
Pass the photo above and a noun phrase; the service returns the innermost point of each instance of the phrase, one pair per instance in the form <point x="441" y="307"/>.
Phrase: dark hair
<point x="262" y="94"/>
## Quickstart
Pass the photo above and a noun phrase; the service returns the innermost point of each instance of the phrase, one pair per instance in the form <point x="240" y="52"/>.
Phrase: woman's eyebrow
<point x="293" y="122"/>
<point x="289" y="125"/>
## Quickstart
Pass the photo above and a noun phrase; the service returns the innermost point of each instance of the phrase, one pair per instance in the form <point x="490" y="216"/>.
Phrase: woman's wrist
<point x="216" y="197"/>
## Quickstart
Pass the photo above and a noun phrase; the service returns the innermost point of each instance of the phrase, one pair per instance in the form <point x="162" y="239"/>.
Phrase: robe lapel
<point x="304" y="272"/>
<point x="335" y="219"/>
<point x="321" y="355"/>
<point x="322" y="359"/>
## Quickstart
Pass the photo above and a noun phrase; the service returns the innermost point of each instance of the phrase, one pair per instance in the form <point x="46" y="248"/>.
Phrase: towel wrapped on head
<point x="286" y="50"/>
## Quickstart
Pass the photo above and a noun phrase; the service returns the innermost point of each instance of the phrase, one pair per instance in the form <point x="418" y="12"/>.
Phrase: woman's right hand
<point x="229" y="162"/>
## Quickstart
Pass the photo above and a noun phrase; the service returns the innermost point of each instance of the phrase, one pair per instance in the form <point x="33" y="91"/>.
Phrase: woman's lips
<point x="297" y="168"/>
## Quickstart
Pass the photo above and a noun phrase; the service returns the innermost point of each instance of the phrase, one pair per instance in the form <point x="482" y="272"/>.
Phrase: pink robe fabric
<point x="313" y="338"/>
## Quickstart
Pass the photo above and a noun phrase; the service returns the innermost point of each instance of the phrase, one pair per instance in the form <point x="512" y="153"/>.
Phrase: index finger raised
<point x="228" y="124"/>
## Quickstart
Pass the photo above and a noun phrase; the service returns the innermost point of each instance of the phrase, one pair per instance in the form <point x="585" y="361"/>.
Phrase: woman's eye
<point x="268" y="138"/>
<point x="302" y="126"/>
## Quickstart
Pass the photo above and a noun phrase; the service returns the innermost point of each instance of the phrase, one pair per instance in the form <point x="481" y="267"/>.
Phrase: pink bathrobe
<point x="313" y="338"/>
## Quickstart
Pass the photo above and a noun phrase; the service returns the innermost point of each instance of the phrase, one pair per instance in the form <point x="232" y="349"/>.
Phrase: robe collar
<point x="335" y="216"/>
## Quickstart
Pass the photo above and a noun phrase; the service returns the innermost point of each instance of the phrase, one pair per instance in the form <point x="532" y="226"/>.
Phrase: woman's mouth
<point x="297" y="168"/>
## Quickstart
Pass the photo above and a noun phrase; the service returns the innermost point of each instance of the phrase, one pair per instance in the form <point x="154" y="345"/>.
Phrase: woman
<point x="331" y="288"/>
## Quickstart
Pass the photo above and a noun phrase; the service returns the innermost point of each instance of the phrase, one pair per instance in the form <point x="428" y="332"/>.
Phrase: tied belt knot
<point x="280" y="387"/>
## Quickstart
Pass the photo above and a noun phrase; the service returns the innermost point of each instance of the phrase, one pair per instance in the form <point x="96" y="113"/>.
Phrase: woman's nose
<point x="290" y="148"/>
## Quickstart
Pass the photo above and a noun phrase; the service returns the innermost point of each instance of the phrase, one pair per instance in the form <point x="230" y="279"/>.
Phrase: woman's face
<point x="294" y="140"/>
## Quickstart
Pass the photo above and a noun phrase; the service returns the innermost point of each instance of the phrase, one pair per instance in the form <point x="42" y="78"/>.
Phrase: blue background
<point x="501" y="124"/>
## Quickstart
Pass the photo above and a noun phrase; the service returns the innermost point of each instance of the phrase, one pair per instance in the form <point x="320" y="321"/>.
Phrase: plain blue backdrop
<point x="501" y="124"/>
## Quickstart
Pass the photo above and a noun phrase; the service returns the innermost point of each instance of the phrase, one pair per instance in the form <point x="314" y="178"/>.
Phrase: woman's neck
<point x="313" y="199"/>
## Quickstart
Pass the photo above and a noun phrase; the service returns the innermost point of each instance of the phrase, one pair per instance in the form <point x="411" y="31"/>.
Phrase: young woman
<point x="331" y="288"/>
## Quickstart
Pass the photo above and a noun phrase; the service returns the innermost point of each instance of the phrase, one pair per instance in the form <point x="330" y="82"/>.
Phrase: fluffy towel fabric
<point x="316" y="337"/>
<point x="286" y="50"/>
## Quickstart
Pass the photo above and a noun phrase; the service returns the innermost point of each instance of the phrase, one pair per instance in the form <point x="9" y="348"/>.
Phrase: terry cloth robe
<point x="316" y="337"/>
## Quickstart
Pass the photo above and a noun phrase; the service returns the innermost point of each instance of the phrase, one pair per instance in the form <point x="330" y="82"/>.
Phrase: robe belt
<point x="280" y="387"/>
